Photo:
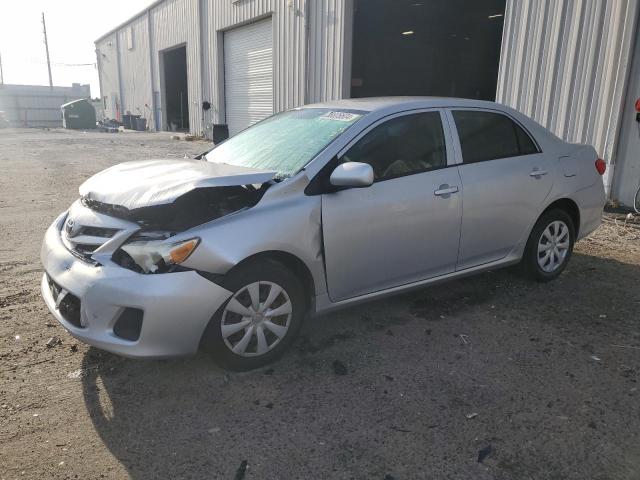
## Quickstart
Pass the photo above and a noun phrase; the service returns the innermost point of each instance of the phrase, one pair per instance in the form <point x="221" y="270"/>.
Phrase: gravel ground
<point x="491" y="377"/>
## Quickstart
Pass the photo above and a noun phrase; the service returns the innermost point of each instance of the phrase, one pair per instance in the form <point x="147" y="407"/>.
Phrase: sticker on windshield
<point x="341" y="116"/>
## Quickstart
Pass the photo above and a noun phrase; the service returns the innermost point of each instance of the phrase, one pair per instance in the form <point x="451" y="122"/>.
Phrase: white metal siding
<point x="565" y="64"/>
<point x="289" y="48"/>
<point x="174" y="23"/>
<point x="136" y="83"/>
<point x="107" y="58"/>
<point x="321" y="27"/>
<point x="627" y="169"/>
<point x="330" y="31"/>
<point x="248" y="74"/>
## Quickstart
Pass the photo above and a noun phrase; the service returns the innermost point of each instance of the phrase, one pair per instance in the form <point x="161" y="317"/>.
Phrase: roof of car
<point x="370" y="104"/>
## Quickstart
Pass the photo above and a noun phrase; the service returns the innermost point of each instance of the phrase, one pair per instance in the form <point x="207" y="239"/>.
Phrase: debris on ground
<point x="242" y="470"/>
<point x="75" y="374"/>
<point x="596" y="358"/>
<point x="339" y="368"/>
<point x="398" y="429"/>
<point x="471" y="415"/>
<point x="484" y="453"/>
<point x="464" y="339"/>
<point x="53" y="341"/>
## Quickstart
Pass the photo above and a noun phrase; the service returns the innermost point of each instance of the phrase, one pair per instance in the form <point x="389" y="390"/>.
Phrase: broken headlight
<point x="154" y="256"/>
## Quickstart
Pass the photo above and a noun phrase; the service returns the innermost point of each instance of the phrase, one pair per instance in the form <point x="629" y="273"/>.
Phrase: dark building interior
<point x="427" y="47"/>
<point x="175" y="85"/>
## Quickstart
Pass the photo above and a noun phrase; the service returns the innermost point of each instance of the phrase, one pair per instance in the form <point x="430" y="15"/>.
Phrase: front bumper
<point x="176" y="306"/>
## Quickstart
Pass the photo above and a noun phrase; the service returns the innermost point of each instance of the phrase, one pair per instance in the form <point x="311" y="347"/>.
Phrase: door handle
<point x="538" y="173"/>
<point x="445" y="190"/>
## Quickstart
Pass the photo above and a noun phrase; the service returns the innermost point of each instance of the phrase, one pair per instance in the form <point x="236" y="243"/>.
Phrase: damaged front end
<point x="130" y="212"/>
<point x="186" y="211"/>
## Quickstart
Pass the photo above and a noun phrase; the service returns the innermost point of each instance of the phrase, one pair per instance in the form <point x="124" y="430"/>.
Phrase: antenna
<point x="46" y="46"/>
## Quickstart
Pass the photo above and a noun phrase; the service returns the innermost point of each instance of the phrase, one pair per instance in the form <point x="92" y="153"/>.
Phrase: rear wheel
<point x="260" y="320"/>
<point x="549" y="246"/>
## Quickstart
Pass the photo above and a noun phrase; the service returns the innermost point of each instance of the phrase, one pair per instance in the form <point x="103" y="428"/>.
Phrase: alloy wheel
<point x="256" y="319"/>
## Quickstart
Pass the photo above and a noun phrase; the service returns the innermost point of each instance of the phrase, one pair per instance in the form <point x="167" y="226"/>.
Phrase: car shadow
<point x="303" y="417"/>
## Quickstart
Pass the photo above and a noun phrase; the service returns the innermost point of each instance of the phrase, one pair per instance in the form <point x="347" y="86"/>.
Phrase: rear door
<point x="506" y="180"/>
<point x="406" y="226"/>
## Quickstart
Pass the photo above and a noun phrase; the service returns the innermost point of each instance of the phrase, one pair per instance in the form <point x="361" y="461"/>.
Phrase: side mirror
<point x="352" y="174"/>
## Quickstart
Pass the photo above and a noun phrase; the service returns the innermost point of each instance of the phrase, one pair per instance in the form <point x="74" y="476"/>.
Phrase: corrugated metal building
<point x="566" y="63"/>
<point x="36" y="105"/>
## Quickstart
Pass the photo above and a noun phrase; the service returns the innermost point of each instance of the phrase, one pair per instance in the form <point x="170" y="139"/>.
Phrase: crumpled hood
<point x="156" y="182"/>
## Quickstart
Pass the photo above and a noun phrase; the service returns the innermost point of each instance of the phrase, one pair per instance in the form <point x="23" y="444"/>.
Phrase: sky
<point x="72" y="27"/>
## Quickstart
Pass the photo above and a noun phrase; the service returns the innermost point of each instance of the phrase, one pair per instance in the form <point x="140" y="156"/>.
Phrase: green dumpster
<point x="78" y="114"/>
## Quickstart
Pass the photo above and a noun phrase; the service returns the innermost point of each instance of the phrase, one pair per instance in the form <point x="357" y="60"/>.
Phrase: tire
<point x="543" y="236"/>
<point x="242" y="332"/>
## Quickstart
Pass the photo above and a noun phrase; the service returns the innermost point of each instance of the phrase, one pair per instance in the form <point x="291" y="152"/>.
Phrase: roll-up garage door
<point x="248" y="74"/>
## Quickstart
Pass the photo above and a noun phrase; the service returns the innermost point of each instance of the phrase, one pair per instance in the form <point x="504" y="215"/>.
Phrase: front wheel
<point x="549" y="246"/>
<point x="260" y="320"/>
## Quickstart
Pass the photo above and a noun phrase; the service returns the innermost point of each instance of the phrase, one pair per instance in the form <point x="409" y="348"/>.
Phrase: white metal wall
<point x="175" y="23"/>
<point x="330" y="31"/>
<point x="627" y="170"/>
<point x="289" y="48"/>
<point x="36" y="105"/>
<point x="107" y="58"/>
<point x="136" y="83"/>
<point x="299" y="27"/>
<point x="565" y="64"/>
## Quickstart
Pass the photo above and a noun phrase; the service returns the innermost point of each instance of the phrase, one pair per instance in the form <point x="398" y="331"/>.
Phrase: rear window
<point x="489" y="136"/>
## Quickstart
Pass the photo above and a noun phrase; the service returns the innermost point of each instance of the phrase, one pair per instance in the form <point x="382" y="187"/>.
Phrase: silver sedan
<point x="311" y="210"/>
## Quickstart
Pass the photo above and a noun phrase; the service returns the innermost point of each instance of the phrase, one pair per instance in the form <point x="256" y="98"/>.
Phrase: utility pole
<point x="46" y="46"/>
<point x="1" y="72"/>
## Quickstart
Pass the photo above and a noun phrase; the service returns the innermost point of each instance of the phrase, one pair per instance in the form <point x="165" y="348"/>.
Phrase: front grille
<point x="68" y="305"/>
<point x="98" y="231"/>
<point x="83" y="240"/>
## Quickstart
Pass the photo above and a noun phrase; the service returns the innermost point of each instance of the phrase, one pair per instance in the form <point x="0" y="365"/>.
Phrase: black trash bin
<point x="141" y="124"/>
<point x="220" y="133"/>
<point x="126" y="121"/>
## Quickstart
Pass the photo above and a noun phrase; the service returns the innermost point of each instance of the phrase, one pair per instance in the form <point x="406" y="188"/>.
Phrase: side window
<point x="402" y="146"/>
<point x="489" y="136"/>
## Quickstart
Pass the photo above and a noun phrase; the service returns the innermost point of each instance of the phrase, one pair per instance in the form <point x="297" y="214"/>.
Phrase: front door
<point x="406" y="226"/>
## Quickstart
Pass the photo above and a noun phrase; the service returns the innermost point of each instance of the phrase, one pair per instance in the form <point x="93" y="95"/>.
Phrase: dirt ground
<point x="491" y="377"/>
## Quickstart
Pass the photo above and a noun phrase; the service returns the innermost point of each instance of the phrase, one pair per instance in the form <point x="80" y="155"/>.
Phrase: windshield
<point x="285" y="142"/>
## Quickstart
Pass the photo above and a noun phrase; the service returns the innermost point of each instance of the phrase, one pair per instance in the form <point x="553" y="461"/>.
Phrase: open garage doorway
<point x="176" y="98"/>
<point x="427" y="47"/>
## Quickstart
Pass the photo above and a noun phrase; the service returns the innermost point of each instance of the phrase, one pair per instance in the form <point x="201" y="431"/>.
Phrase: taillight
<point x="601" y="166"/>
